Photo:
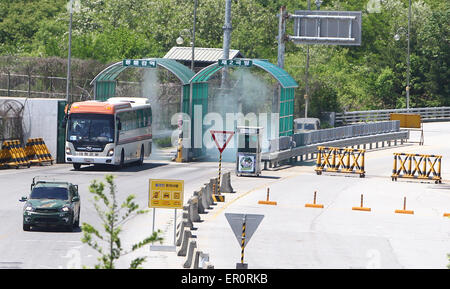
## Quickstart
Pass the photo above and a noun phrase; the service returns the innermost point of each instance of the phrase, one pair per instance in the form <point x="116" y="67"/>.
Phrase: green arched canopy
<point x="105" y="82"/>
<point x="286" y="92"/>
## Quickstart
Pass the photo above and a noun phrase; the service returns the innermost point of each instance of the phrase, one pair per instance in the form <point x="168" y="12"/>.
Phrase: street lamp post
<point x="408" y="62"/>
<point x="187" y="33"/>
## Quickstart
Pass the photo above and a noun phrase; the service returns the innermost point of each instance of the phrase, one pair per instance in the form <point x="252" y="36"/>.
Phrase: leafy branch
<point x="113" y="216"/>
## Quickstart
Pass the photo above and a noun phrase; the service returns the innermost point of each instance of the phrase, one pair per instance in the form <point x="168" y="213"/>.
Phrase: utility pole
<point x="193" y="35"/>
<point x="70" y="52"/>
<point x="408" y="60"/>
<point x="227" y="28"/>
<point x="281" y="36"/>
<point x="306" y="96"/>
<point x="318" y="3"/>
<point x="280" y="61"/>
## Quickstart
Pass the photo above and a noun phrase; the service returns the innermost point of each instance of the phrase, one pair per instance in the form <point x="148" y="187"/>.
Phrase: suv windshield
<point x="58" y="193"/>
<point x="88" y="128"/>
<point x="310" y="126"/>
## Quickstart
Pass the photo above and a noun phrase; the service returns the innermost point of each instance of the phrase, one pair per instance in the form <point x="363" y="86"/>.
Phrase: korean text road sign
<point x="166" y="194"/>
<point x="139" y="63"/>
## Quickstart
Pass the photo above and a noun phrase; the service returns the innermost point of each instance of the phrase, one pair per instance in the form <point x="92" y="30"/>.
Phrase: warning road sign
<point x="239" y="221"/>
<point x="221" y="138"/>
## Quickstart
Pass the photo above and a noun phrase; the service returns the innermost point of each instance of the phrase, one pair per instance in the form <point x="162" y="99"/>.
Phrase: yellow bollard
<point x="267" y="202"/>
<point x="362" y="208"/>
<point x="314" y="205"/>
<point x="404" y="211"/>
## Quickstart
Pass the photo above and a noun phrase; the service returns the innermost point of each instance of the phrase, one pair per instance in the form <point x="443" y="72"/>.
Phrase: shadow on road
<point x="132" y="167"/>
<point x="54" y="229"/>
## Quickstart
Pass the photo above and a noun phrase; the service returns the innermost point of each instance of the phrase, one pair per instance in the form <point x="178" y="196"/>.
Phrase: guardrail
<point x="348" y="136"/>
<point x="331" y="134"/>
<point x="426" y="113"/>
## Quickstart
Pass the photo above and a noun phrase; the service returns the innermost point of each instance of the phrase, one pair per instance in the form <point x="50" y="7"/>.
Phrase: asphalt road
<point x="52" y="248"/>
<point x="293" y="236"/>
<point x="290" y="235"/>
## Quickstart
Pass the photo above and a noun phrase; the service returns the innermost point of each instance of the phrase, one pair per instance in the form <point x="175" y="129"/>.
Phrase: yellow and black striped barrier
<point x="342" y="160"/>
<point x="417" y="166"/>
<point x="37" y="151"/>
<point x="216" y="196"/>
<point x="13" y="154"/>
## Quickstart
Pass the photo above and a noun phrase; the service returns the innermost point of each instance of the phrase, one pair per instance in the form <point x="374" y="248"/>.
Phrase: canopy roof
<point x="183" y="73"/>
<point x="285" y="80"/>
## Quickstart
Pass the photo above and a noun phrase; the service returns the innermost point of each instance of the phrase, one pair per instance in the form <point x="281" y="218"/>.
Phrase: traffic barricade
<point x="37" y="151"/>
<point x="417" y="166"/>
<point x="13" y="155"/>
<point x="342" y="160"/>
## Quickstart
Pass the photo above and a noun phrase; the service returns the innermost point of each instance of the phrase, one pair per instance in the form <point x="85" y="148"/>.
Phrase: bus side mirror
<point x="64" y="122"/>
<point x="119" y="124"/>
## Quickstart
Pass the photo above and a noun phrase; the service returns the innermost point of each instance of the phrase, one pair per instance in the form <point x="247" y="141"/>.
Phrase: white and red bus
<point x="113" y="132"/>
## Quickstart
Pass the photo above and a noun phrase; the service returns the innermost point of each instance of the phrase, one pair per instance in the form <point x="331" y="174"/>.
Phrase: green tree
<point x="112" y="219"/>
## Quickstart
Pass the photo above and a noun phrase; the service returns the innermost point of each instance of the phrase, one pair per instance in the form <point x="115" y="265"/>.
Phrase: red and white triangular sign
<point x="221" y="138"/>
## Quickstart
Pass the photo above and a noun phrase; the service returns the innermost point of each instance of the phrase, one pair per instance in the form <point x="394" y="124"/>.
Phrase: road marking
<point x="226" y="205"/>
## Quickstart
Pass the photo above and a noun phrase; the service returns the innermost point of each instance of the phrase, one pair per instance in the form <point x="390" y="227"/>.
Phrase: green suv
<point x="52" y="203"/>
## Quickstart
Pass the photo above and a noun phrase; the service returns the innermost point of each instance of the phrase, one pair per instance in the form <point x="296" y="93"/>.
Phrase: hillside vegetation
<point x="370" y="76"/>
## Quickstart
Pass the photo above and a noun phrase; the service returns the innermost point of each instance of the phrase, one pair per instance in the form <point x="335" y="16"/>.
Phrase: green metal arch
<point x="183" y="73"/>
<point x="283" y="78"/>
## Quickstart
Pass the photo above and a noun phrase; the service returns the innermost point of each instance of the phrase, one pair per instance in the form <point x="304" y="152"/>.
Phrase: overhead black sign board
<point x="327" y="27"/>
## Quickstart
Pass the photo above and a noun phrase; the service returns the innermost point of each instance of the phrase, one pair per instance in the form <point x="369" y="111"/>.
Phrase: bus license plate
<point x="89" y="160"/>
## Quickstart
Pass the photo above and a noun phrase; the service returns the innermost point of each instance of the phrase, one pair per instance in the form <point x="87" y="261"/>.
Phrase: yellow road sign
<point x="166" y="194"/>
<point x="407" y="120"/>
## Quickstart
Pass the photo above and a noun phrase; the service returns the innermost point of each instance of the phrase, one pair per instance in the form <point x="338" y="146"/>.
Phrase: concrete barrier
<point x="201" y="203"/>
<point x="210" y="192"/>
<point x="187" y="235"/>
<point x="187" y="216"/>
<point x="180" y="231"/>
<point x="206" y="196"/>
<point x="200" y="260"/>
<point x="193" y="209"/>
<point x="190" y="252"/>
<point x="226" y="187"/>
<point x="208" y="265"/>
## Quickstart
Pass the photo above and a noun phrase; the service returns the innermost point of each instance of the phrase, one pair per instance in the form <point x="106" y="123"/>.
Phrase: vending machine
<point x="248" y="158"/>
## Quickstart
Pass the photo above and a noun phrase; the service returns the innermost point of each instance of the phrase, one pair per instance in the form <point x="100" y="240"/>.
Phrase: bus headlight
<point x="110" y="153"/>
<point x="68" y="151"/>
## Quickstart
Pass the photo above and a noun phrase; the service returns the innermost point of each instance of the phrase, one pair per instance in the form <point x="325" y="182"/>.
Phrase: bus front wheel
<point x="141" y="157"/>
<point x="122" y="159"/>
<point x="76" y="166"/>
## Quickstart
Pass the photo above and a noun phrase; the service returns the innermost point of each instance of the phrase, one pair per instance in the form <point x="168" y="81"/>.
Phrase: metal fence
<point x="427" y="114"/>
<point x="331" y="134"/>
<point x="22" y="85"/>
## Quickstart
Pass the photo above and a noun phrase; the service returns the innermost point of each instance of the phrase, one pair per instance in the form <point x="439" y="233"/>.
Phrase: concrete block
<point x="193" y="208"/>
<point x="192" y="247"/>
<point x="184" y="243"/>
<point x="226" y="187"/>
<point x="201" y="205"/>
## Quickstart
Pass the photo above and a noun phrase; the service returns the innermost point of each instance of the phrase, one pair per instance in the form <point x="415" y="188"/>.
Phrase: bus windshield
<point x="87" y="128"/>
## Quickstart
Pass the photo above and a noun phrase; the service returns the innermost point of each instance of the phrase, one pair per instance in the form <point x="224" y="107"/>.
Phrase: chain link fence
<point x="36" y="86"/>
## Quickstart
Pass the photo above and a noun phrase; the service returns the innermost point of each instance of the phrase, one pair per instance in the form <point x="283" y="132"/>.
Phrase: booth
<point x="248" y="156"/>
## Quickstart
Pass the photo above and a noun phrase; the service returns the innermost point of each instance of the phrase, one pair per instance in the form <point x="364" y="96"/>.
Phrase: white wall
<point x="40" y="119"/>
